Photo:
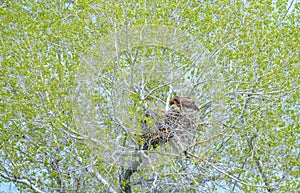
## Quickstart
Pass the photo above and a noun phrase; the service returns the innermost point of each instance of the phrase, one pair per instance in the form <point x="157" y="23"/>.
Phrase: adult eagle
<point x="184" y="102"/>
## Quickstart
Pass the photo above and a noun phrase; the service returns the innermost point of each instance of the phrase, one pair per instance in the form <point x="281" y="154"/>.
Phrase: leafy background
<point x="254" y="50"/>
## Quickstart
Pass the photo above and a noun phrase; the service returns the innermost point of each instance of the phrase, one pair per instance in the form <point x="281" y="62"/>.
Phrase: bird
<point x="184" y="102"/>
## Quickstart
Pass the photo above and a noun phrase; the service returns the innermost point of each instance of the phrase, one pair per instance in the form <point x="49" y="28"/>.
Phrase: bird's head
<point x="174" y="101"/>
<point x="171" y="102"/>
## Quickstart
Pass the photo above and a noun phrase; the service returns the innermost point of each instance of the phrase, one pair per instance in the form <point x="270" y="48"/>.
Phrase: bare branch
<point x="24" y="181"/>
<point x="225" y="173"/>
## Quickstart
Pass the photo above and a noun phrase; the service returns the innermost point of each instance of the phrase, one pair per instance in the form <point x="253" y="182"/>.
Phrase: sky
<point x="8" y="188"/>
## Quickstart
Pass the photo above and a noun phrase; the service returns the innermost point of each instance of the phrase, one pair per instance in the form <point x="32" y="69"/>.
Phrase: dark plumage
<point x="184" y="102"/>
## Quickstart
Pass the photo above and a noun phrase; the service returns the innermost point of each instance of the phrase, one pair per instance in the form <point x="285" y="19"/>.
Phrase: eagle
<point x="184" y="101"/>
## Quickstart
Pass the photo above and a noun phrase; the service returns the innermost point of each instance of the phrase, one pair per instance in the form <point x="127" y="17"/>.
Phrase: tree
<point x="81" y="80"/>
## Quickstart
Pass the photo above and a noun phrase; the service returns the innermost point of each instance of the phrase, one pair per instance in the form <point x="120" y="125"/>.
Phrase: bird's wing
<point x="189" y="103"/>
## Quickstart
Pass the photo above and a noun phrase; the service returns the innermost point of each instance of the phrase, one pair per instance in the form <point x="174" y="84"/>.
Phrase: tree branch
<point x="225" y="173"/>
<point x="23" y="181"/>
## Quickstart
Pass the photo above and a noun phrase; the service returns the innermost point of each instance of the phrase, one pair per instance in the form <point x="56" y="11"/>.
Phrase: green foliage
<point x="253" y="73"/>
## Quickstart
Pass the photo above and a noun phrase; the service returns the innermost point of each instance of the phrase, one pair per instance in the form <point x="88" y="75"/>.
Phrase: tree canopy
<point x="86" y="84"/>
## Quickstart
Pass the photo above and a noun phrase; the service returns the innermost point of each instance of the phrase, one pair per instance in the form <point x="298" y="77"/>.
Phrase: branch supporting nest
<point x="165" y="128"/>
